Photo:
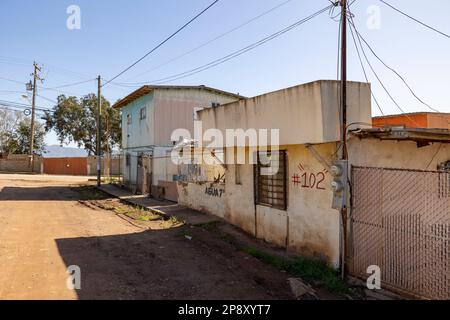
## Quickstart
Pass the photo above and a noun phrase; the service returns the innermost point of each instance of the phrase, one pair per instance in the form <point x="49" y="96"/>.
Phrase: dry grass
<point x="91" y="196"/>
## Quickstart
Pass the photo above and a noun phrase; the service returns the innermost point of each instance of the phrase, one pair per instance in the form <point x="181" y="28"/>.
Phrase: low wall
<point x="112" y="167"/>
<point x="205" y="197"/>
<point x="20" y="163"/>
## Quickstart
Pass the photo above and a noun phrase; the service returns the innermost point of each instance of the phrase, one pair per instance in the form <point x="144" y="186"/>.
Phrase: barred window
<point x="271" y="179"/>
<point x="129" y="119"/>
<point x="128" y="160"/>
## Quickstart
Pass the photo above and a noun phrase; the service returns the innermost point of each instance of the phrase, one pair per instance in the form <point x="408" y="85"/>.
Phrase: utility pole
<point x="35" y="76"/>
<point x="99" y="113"/>
<point x="344" y="80"/>
<point x="343" y="157"/>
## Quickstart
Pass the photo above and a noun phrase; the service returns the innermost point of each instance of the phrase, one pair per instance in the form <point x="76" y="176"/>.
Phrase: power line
<point x="20" y="105"/>
<point x="394" y="71"/>
<point x="47" y="99"/>
<point x="163" y="42"/>
<point x="70" y="84"/>
<point x="414" y="19"/>
<point x="376" y="75"/>
<point x="216" y="38"/>
<point x="13" y="81"/>
<point x="238" y="52"/>
<point x="364" y="71"/>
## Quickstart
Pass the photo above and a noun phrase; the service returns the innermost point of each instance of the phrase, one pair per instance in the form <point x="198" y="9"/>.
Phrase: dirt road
<point x="44" y="229"/>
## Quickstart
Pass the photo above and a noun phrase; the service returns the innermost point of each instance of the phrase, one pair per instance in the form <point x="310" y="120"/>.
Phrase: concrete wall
<point x="309" y="226"/>
<point x="206" y="197"/>
<point x="174" y="109"/>
<point x="140" y="133"/>
<point x="399" y="155"/>
<point x="115" y="164"/>
<point x="306" y="113"/>
<point x="21" y="163"/>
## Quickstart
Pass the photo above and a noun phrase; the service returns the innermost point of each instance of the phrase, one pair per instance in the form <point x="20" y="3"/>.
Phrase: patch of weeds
<point x="209" y="226"/>
<point x="310" y="270"/>
<point x="171" y="222"/>
<point x="91" y="193"/>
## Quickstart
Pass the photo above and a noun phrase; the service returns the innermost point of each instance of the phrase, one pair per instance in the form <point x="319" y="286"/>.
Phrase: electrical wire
<point x="163" y="42"/>
<point x="238" y="52"/>
<point x="414" y="19"/>
<point x="376" y="75"/>
<point x="394" y="71"/>
<point x="364" y="71"/>
<point x="216" y="38"/>
<point x="70" y="84"/>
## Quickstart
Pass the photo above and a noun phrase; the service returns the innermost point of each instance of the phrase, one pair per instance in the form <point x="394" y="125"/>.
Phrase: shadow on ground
<point x="53" y="193"/>
<point x="164" y="264"/>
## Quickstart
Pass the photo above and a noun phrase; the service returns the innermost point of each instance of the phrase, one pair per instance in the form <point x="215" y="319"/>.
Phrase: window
<point x="129" y="119"/>
<point x="271" y="179"/>
<point x="128" y="160"/>
<point x="143" y="113"/>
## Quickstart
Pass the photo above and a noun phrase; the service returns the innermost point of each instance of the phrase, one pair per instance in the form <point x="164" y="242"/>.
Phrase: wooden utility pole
<point x="33" y="111"/>
<point x="33" y="106"/>
<point x="99" y="113"/>
<point x="343" y="156"/>
<point x="344" y="80"/>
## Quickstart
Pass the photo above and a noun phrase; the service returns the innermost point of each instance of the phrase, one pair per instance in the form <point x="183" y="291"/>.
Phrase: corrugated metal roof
<point x="402" y="133"/>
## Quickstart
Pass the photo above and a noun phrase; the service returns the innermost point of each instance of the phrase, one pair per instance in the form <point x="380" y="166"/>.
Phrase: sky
<point x="114" y="34"/>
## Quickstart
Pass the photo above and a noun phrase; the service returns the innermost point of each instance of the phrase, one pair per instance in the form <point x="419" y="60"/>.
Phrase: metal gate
<point x="66" y="166"/>
<point x="400" y="221"/>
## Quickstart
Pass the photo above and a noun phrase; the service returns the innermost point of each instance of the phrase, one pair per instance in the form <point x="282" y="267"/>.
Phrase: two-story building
<point x="149" y="116"/>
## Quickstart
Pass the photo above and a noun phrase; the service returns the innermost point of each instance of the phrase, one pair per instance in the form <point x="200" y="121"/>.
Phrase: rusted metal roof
<point x="402" y="133"/>
<point x="149" y="88"/>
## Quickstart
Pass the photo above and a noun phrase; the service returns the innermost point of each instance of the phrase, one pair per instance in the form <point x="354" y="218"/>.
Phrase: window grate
<point x="271" y="190"/>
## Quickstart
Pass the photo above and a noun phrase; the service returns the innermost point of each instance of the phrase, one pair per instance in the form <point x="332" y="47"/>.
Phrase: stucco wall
<point x="309" y="226"/>
<point x="174" y="109"/>
<point x="400" y="155"/>
<point x="206" y="197"/>
<point x="21" y="163"/>
<point x="140" y="132"/>
<point x="307" y="113"/>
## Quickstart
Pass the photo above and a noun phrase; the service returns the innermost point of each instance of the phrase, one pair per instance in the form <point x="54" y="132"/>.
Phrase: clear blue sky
<point x="115" y="33"/>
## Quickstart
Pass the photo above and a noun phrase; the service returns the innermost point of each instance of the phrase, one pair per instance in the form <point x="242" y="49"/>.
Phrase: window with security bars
<point x="271" y="179"/>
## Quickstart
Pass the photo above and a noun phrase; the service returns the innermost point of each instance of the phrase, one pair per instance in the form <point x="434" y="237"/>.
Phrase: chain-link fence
<point x="401" y="223"/>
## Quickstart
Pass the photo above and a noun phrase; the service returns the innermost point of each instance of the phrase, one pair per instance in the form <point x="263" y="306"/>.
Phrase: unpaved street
<point x="44" y="229"/>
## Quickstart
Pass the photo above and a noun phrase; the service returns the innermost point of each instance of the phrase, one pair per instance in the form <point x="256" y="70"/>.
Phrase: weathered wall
<point x="399" y="155"/>
<point x="20" y="163"/>
<point x="140" y="132"/>
<point x="309" y="226"/>
<point x="107" y="164"/>
<point x="306" y="113"/>
<point x="207" y="197"/>
<point x="174" y="109"/>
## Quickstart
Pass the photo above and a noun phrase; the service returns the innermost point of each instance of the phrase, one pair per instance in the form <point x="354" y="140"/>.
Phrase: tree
<point x="75" y="120"/>
<point x="9" y="121"/>
<point x="16" y="138"/>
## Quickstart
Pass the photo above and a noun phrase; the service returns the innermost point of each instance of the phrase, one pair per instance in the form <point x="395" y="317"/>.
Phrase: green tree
<point x="17" y="141"/>
<point x="75" y="120"/>
<point x="9" y="122"/>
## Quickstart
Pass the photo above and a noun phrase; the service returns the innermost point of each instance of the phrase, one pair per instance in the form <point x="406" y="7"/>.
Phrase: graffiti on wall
<point x="308" y="179"/>
<point x="214" y="192"/>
